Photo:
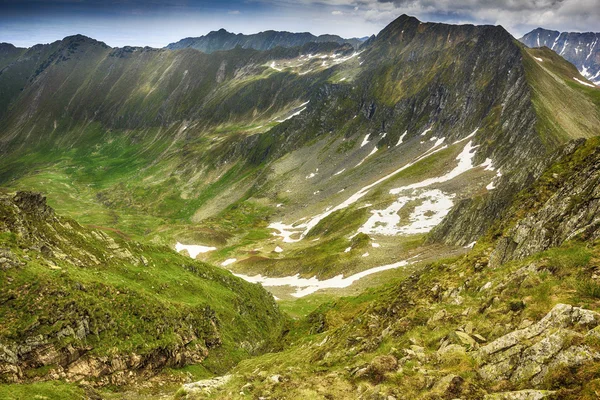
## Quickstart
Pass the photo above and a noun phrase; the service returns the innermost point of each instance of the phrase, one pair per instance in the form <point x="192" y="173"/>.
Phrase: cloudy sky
<point x="157" y="23"/>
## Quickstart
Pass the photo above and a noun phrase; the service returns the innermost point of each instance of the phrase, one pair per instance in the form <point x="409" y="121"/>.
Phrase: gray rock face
<point x="528" y="355"/>
<point x="34" y="204"/>
<point x="573" y="209"/>
<point x="581" y="49"/>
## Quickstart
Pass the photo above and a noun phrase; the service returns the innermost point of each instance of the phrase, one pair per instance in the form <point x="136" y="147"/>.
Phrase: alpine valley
<point x="414" y="215"/>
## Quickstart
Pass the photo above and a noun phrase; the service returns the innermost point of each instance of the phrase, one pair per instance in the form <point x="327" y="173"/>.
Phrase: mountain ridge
<point x="580" y="48"/>
<point x="223" y="40"/>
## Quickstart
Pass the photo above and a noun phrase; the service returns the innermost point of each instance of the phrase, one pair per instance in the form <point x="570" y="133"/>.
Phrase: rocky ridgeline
<point x="222" y="40"/>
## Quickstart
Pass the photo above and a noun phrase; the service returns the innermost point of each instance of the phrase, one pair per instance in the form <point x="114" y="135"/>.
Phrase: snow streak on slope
<point x="300" y="109"/>
<point x="295" y="233"/>
<point x="369" y="155"/>
<point x="583" y="83"/>
<point x="401" y="138"/>
<point x="465" y="163"/>
<point x="305" y="286"/>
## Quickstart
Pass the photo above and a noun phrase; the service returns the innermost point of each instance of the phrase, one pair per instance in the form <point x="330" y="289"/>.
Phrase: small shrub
<point x="516" y="306"/>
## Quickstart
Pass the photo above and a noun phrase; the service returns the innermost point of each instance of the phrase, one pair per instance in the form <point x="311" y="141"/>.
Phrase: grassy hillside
<point x="83" y="304"/>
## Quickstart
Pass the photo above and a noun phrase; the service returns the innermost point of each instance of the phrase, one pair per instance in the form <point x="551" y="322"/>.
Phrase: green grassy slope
<point x="82" y="297"/>
<point x="566" y="109"/>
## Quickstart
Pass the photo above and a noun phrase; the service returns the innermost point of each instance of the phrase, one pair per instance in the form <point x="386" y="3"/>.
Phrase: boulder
<point x="529" y="354"/>
<point x="449" y="387"/>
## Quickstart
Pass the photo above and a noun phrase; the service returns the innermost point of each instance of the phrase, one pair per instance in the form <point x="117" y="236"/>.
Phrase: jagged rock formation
<point x="582" y="49"/>
<point x="223" y="40"/>
<point x="563" y="205"/>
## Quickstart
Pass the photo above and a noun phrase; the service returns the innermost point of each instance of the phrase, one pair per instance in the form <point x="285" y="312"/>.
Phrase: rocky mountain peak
<point x="82" y="39"/>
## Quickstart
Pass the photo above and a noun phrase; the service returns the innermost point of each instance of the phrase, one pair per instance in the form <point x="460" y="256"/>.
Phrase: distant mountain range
<point x="224" y="40"/>
<point x="581" y="49"/>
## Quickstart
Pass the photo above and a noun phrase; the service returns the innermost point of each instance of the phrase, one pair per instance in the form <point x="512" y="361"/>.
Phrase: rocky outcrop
<point x="33" y="204"/>
<point x="206" y="385"/>
<point x="69" y="312"/>
<point x="564" y="207"/>
<point x="49" y="237"/>
<point x="75" y="361"/>
<point x="528" y="355"/>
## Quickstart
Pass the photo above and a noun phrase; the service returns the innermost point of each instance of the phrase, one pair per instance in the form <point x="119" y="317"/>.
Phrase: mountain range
<point x="419" y="208"/>
<point x="582" y="49"/>
<point x="222" y="40"/>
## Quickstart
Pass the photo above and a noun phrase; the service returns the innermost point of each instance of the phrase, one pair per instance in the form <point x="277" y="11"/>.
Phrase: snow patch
<point x="584" y="83"/>
<point x="192" y="249"/>
<point x="274" y="66"/>
<point x="365" y="141"/>
<point x="465" y="163"/>
<point x="401" y="138"/>
<point x="369" y="155"/>
<point x="306" y="286"/>
<point x="278" y="250"/>
<point x="426" y="131"/>
<point x="434" y="207"/>
<point x="228" y="262"/>
<point x="302" y="108"/>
